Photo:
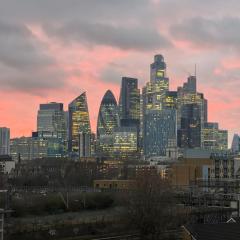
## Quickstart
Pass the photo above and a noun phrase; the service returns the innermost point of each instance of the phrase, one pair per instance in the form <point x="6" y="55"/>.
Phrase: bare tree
<point x="151" y="205"/>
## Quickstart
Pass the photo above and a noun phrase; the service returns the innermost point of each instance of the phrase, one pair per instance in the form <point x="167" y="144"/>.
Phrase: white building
<point x="6" y="164"/>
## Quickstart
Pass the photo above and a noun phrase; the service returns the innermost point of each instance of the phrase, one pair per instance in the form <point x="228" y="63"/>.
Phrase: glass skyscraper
<point x="155" y="91"/>
<point x="159" y="131"/>
<point x="159" y="111"/>
<point x="108" y="118"/>
<point x="189" y="134"/>
<point x="4" y="141"/>
<point x="236" y="143"/>
<point x="79" y="125"/>
<point x="191" y="115"/>
<point x="108" y="121"/>
<point x="51" y="118"/>
<point x="129" y="102"/>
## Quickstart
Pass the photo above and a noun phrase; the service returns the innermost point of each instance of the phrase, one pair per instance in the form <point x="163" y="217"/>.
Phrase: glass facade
<point x="78" y="122"/>
<point x="52" y="125"/>
<point x="28" y="148"/>
<point x="159" y="131"/>
<point x="129" y="102"/>
<point x="154" y="93"/>
<point x="236" y="143"/>
<point x="125" y="143"/>
<point x="191" y="115"/>
<point x="108" y="121"/>
<point x="4" y="141"/>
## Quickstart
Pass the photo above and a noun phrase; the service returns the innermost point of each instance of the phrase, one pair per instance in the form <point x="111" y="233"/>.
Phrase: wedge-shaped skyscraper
<point x="79" y="126"/>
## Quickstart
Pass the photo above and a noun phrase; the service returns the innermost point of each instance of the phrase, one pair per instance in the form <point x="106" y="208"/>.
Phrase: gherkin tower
<point x="108" y="118"/>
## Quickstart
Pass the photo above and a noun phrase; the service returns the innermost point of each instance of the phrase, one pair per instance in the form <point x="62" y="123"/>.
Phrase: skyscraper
<point x="191" y="114"/>
<point x="129" y="102"/>
<point x="108" y="121"/>
<point x="51" y="118"/>
<point x="189" y="134"/>
<point x="159" y="111"/>
<point x="4" y="141"/>
<point x="79" y="123"/>
<point x="155" y="91"/>
<point x="236" y="143"/>
<point x="158" y="71"/>
<point x="108" y="118"/>
<point x="159" y="131"/>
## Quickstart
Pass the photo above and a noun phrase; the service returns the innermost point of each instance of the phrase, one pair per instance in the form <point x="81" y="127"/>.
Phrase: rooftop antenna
<point x="195" y="70"/>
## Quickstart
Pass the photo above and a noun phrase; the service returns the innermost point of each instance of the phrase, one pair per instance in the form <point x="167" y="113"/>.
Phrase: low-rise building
<point x="6" y="164"/>
<point x="114" y="184"/>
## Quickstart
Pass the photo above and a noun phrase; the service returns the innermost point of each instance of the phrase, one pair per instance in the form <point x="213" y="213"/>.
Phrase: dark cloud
<point x="123" y="37"/>
<point x="60" y="10"/>
<point x="211" y="33"/>
<point x="111" y="75"/>
<point x="24" y="63"/>
<point x="19" y="49"/>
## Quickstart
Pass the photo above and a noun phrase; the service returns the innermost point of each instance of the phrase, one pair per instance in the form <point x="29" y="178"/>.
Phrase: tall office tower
<point x="236" y="143"/>
<point x="108" y="118"/>
<point x="108" y="121"/>
<point x="189" y="134"/>
<point x="160" y="132"/>
<point x="51" y="118"/>
<point x="4" y="141"/>
<point x="79" y="123"/>
<point x="194" y="103"/>
<point x="129" y="102"/>
<point x="191" y="85"/>
<point x="158" y="71"/>
<point x="159" y="111"/>
<point x="155" y="91"/>
<point x="214" y="138"/>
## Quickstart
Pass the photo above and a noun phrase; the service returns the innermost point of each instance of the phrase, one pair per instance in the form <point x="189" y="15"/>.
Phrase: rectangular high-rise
<point x="51" y="118"/>
<point x="129" y="103"/>
<point x="160" y="131"/>
<point x="189" y="134"/>
<point x="4" y="141"/>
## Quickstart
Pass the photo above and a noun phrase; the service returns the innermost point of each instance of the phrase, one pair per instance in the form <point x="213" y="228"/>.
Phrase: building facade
<point x="4" y="141"/>
<point x="78" y="122"/>
<point x="28" y="148"/>
<point x="108" y="121"/>
<point x="129" y="102"/>
<point x="191" y="115"/>
<point x="236" y="143"/>
<point x="160" y="132"/>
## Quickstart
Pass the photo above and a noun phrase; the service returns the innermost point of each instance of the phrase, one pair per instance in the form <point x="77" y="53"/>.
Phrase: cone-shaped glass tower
<point x="108" y="118"/>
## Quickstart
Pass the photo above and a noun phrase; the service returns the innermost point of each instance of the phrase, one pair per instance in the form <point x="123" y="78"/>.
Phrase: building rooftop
<point x="5" y="158"/>
<point x="222" y="231"/>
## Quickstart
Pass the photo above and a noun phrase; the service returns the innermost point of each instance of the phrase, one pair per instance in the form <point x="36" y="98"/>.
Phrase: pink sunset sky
<point x="53" y="50"/>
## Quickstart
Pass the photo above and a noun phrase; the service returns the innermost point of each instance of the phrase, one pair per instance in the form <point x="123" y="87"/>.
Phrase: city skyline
<point x="46" y="62"/>
<point x="93" y="121"/>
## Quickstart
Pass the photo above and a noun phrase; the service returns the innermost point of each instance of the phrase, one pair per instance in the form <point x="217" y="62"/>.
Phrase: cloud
<point x="209" y="32"/>
<point x="123" y="37"/>
<point x="111" y="75"/>
<point x="24" y="62"/>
